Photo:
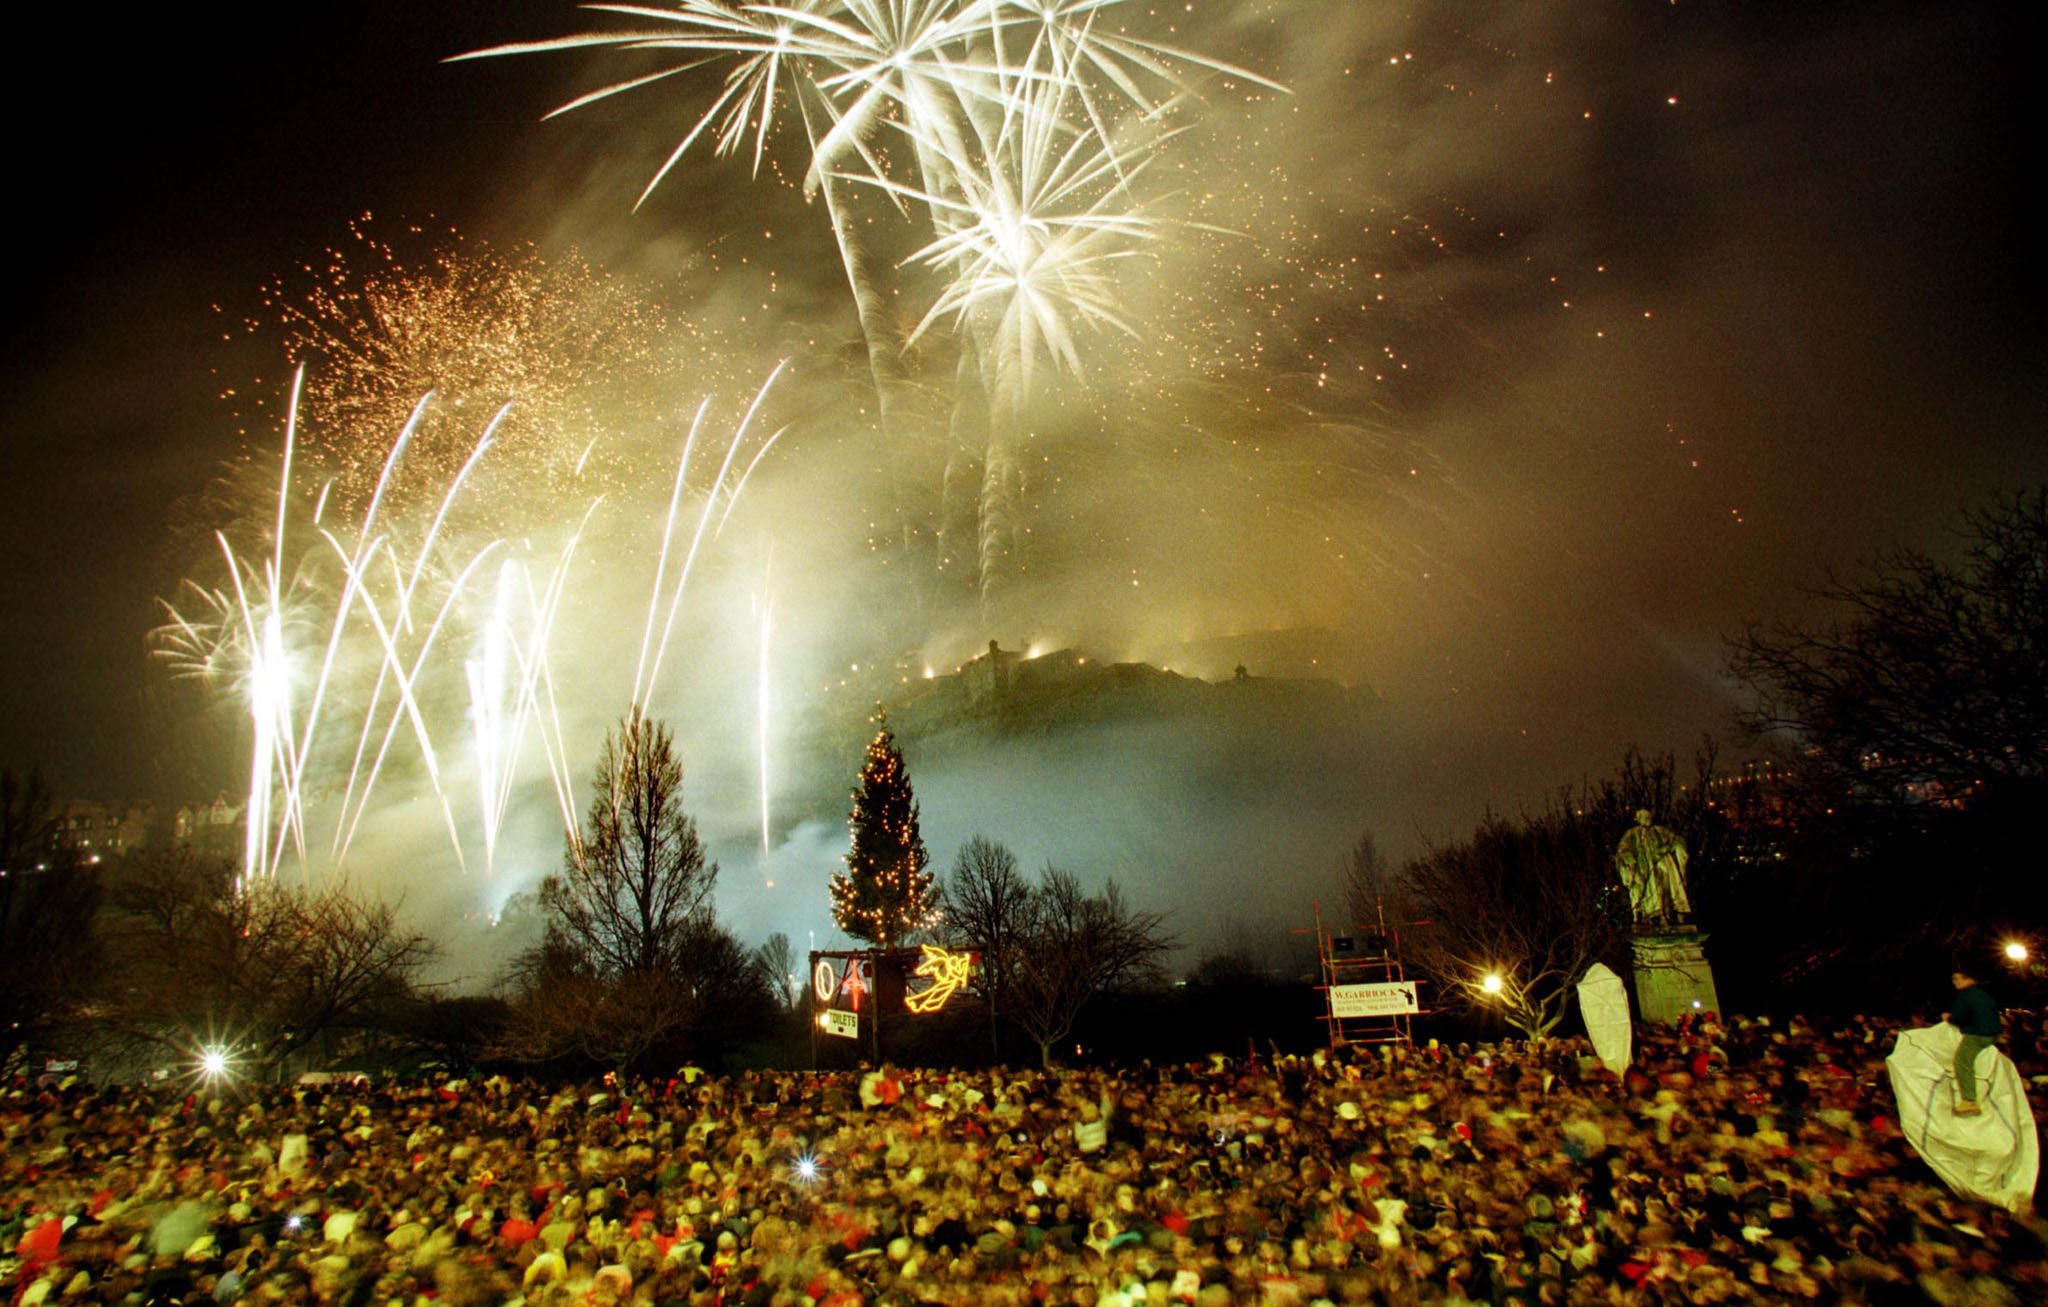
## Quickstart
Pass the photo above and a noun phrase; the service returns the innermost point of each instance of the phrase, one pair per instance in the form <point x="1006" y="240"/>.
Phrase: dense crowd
<point x="1752" y="1161"/>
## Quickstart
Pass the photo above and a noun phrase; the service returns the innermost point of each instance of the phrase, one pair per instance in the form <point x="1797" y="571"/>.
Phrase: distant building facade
<point x="213" y="827"/>
<point x="105" y="829"/>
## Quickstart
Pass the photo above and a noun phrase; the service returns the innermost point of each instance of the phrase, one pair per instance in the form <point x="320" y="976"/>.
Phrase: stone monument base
<point x="1672" y="976"/>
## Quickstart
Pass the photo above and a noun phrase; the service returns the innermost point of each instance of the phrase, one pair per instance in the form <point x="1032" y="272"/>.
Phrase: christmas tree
<point x="885" y="892"/>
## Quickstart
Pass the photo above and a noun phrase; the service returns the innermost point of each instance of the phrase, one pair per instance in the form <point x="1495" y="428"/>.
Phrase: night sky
<point x="1694" y="302"/>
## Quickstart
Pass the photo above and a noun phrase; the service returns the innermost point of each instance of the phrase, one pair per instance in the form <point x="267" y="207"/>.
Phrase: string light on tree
<point x="885" y="893"/>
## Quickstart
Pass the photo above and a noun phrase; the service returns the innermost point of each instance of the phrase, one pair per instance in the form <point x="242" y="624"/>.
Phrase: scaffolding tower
<point x="1367" y="995"/>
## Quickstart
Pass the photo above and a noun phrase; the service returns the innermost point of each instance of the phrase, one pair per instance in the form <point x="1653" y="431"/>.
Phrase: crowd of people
<point x="1751" y="1161"/>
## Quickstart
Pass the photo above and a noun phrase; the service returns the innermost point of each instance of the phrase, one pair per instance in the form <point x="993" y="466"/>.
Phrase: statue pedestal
<point x="1672" y="976"/>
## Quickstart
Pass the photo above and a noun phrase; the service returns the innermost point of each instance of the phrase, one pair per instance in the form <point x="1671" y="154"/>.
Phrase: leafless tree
<point x="1242" y="955"/>
<point x="1531" y="902"/>
<point x="273" y="968"/>
<point x="1072" y="947"/>
<point x="1534" y="900"/>
<point x="1930" y="681"/>
<point x="632" y="886"/>
<point x="776" y="961"/>
<point x="564" y="1008"/>
<point x="632" y="963"/>
<point x="352" y="956"/>
<point x="1368" y="879"/>
<point x="48" y="895"/>
<point x="982" y="907"/>
<point x="167" y="890"/>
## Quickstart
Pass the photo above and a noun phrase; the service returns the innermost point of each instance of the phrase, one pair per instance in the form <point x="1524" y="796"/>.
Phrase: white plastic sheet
<point x="1994" y="1156"/>
<point x="1603" y="1003"/>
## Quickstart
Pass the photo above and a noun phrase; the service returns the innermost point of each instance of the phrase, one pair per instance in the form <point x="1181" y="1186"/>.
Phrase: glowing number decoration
<point x="824" y="980"/>
<point x="948" y="972"/>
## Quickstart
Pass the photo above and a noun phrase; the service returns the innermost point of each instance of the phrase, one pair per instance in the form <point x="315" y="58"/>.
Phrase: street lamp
<point x="2015" y="951"/>
<point x="1492" y="983"/>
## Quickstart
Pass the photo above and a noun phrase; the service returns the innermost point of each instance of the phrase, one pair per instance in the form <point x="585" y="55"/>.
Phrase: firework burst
<point x="354" y="652"/>
<point x="1010" y="108"/>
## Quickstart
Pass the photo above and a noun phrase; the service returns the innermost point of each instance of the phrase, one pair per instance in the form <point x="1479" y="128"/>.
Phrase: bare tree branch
<point x="1931" y="679"/>
<point x="48" y="895"/>
<point x="1072" y="947"/>
<point x="632" y="963"/>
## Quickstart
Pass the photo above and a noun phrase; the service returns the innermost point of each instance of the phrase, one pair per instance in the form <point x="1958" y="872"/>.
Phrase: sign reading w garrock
<point x="1389" y="998"/>
<point x="838" y="1021"/>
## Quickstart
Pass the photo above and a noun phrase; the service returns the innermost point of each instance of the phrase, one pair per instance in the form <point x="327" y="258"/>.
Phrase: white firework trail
<point x="854" y="67"/>
<point x="408" y="702"/>
<point x="506" y="682"/>
<point x="248" y="631"/>
<point x="395" y="667"/>
<point x="344" y="830"/>
<point x="765" y="605"/>
<point x="998" y="100"/>
<point x="653" y="648"/>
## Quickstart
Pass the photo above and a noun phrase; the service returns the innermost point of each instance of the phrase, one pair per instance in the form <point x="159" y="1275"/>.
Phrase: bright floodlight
<point x="213" y="1062"/>
<point x="1492" y="983"/>
<point x="804" y="1168"/>
<point x="2015" y="951"/>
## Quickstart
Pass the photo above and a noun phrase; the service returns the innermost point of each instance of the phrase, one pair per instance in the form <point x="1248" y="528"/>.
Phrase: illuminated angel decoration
<point x="947" y="970"/>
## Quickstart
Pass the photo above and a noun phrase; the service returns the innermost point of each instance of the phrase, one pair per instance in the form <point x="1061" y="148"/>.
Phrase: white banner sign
<point x="1386" y="999"/>
<point x="838" y="1021"/>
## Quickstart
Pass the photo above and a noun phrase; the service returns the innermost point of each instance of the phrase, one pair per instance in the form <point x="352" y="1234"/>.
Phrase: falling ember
<point x="381" y="321"/>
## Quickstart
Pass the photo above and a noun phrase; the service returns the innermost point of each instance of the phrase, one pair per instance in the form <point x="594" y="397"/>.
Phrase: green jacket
<point x="1974" y="1013"/>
